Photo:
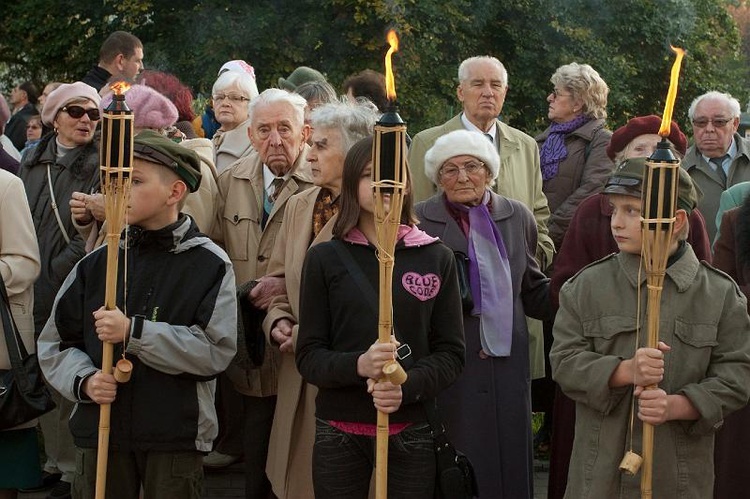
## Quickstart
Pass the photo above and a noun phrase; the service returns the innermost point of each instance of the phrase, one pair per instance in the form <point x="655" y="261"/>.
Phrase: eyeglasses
<point x="717" y="122"/>
<point x="558" y="94"/>
<point x="470" y="168"/>
<point x="77" y="112"/>
<point x="33" y="126"/>
<point x="232" y="98"/>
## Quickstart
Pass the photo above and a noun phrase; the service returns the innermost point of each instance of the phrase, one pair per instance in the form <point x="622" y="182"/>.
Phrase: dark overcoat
<point x="488" y="409"/>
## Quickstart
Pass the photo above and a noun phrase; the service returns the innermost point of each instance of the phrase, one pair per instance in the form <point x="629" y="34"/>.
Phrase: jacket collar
<point x="169" y="238"/>
<point x="435" y="210"/>
<point x="235" y="142"/>
<point x="682" y="272"/>
<point x="694" y="158"/>
<point x="409" y="236"/>
<point x="251" y="168"/>
<point x="585" y="131"/>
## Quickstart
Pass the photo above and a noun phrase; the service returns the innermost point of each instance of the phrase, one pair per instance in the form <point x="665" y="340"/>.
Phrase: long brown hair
<point x="357" y="159"/>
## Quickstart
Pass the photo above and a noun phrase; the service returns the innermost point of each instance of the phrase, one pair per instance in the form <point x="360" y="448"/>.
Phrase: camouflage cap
<point x="627" y="179"/>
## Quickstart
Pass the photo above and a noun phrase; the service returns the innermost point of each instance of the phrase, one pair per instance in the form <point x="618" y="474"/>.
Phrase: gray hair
<point x="320" y="91"/>
<point x="463" y="69"/>
<point x="585" y="84"/>
<point x="274" y="95"/>
<point x="353" y="121"/>
<point x="732" y="103"/>
<point x="240" y="79"/>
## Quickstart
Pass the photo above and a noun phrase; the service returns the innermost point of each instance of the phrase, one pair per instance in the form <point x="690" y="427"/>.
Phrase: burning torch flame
<point x="120" y="87"/>
<point x="390" y="81"/>
<point x="666" y="120"/>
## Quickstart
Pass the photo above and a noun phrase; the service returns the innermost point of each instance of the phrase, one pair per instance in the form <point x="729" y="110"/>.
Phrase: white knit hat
<point x="460" y="143"/>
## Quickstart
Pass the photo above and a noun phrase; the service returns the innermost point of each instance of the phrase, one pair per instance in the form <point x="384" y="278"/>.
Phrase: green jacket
<point x="705" y="321"/>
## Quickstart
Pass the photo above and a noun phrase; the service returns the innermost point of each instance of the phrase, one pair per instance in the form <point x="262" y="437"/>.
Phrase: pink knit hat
<point x="62" y="95"/>
<point x="150" y="108"/>
<point x="238" y="65"/>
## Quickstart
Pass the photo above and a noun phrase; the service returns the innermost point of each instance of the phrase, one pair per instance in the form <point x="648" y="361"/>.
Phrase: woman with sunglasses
<point x="66" y="160"/>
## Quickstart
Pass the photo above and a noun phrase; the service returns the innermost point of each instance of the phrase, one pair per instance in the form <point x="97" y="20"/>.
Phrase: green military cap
<point x="627" y="179"/>
<point x="156" y="148"/>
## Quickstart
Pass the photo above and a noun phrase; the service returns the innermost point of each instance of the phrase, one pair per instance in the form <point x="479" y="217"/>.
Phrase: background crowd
<point x="278" y="179"/>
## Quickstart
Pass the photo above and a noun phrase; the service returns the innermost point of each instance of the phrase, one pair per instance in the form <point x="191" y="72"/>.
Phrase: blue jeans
<point x="343" y="463"/>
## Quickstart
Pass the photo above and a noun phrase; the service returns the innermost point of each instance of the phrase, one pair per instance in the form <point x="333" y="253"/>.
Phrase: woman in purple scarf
<point x="487" y="410"/>
<point x="573" y="149"/>
<point x="575" y="165"/>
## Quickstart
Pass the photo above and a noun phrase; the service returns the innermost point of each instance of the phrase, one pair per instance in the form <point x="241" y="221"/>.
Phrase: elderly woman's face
<point x="464" y="179"/>
<point x="76" y="122"/>
<point x="231" y="107"/>
<point x="642" y="146"/>
<point x="563" y="107"/>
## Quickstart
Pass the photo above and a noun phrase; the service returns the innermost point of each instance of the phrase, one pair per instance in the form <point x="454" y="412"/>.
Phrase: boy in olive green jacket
<point x="702" y="363"/>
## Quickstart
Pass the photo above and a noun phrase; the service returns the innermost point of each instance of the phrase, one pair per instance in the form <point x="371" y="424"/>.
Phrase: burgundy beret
<point x="642" y="125"/>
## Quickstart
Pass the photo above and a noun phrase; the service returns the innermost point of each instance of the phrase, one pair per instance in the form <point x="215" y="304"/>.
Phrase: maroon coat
<point x="589" y="238"/>
<point x="732" y="255"/>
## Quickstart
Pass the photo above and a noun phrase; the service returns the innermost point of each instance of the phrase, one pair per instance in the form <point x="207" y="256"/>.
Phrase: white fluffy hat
<point x="460" y="143"/>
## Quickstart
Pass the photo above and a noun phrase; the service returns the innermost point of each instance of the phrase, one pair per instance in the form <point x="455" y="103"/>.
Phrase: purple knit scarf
<point x="490" y="279"/>
<point x="553" y="150"/>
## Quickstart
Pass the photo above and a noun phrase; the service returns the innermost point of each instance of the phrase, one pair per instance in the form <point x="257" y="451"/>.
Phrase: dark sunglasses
<point x="77" y="112"/>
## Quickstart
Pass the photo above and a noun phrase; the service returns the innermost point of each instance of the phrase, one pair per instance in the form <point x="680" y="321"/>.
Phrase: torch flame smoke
<point x="666" y="120"/>
<point x="120" y="87"/>
<point x="390" y="81"/>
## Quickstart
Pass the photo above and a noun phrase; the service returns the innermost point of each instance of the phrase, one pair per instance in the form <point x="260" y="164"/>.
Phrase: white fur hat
<point x="460" y="143"/>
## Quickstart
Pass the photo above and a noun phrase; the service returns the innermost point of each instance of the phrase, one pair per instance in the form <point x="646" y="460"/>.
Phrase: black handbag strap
<point x="359" y="277"/>
<point x="16" y="349"/>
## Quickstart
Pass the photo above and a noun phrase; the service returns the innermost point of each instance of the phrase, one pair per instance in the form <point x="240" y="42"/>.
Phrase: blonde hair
<point x="586" y="85"/>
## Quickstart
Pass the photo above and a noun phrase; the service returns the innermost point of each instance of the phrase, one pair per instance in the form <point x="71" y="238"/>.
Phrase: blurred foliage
<point x="627" y="41"/>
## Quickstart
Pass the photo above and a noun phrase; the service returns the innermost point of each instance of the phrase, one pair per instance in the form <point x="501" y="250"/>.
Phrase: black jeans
<point x="343" y="463"/>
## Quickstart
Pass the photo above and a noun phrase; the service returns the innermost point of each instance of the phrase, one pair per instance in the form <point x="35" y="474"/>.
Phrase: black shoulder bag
<point x="23" y="394"/>
<point x="464" y="286"/>
<point x="454" y="473"/>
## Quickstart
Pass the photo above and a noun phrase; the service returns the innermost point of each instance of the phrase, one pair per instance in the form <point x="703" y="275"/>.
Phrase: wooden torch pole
<point x="389" y="181"/>
<point x="660" y="181"/>
<point x="117" y="154"/>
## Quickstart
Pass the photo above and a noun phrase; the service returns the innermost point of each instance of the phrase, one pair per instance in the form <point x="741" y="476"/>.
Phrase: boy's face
<point x="626" y="222"/>
<point x="152" y="202"/>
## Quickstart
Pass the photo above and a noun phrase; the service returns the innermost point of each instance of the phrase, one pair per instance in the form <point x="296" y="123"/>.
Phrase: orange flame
<point x="120" y="87"/>
<point x="390" y="81"/>
<point x="666" y="120"/>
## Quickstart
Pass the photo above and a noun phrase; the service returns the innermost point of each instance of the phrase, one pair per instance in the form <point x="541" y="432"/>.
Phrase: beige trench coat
<point x="289" y="464"/>
<point x="19" y="263"/>
<point x="238" y="217"/>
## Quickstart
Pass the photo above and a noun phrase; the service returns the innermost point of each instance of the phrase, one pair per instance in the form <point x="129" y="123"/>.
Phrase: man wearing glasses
<point x="719" y="157"/>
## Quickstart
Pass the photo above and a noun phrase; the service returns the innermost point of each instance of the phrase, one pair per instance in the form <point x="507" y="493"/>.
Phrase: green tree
<point x="626" y="41"/>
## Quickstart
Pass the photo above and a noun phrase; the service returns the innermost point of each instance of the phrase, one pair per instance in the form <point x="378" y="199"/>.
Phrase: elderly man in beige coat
<point x="308" y="220"/>
<point x="253" y="196"/>
<point x="482" y="86"/>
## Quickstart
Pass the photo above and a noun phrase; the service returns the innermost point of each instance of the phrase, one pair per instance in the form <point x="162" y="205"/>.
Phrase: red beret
<point x="642" y="125"/>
